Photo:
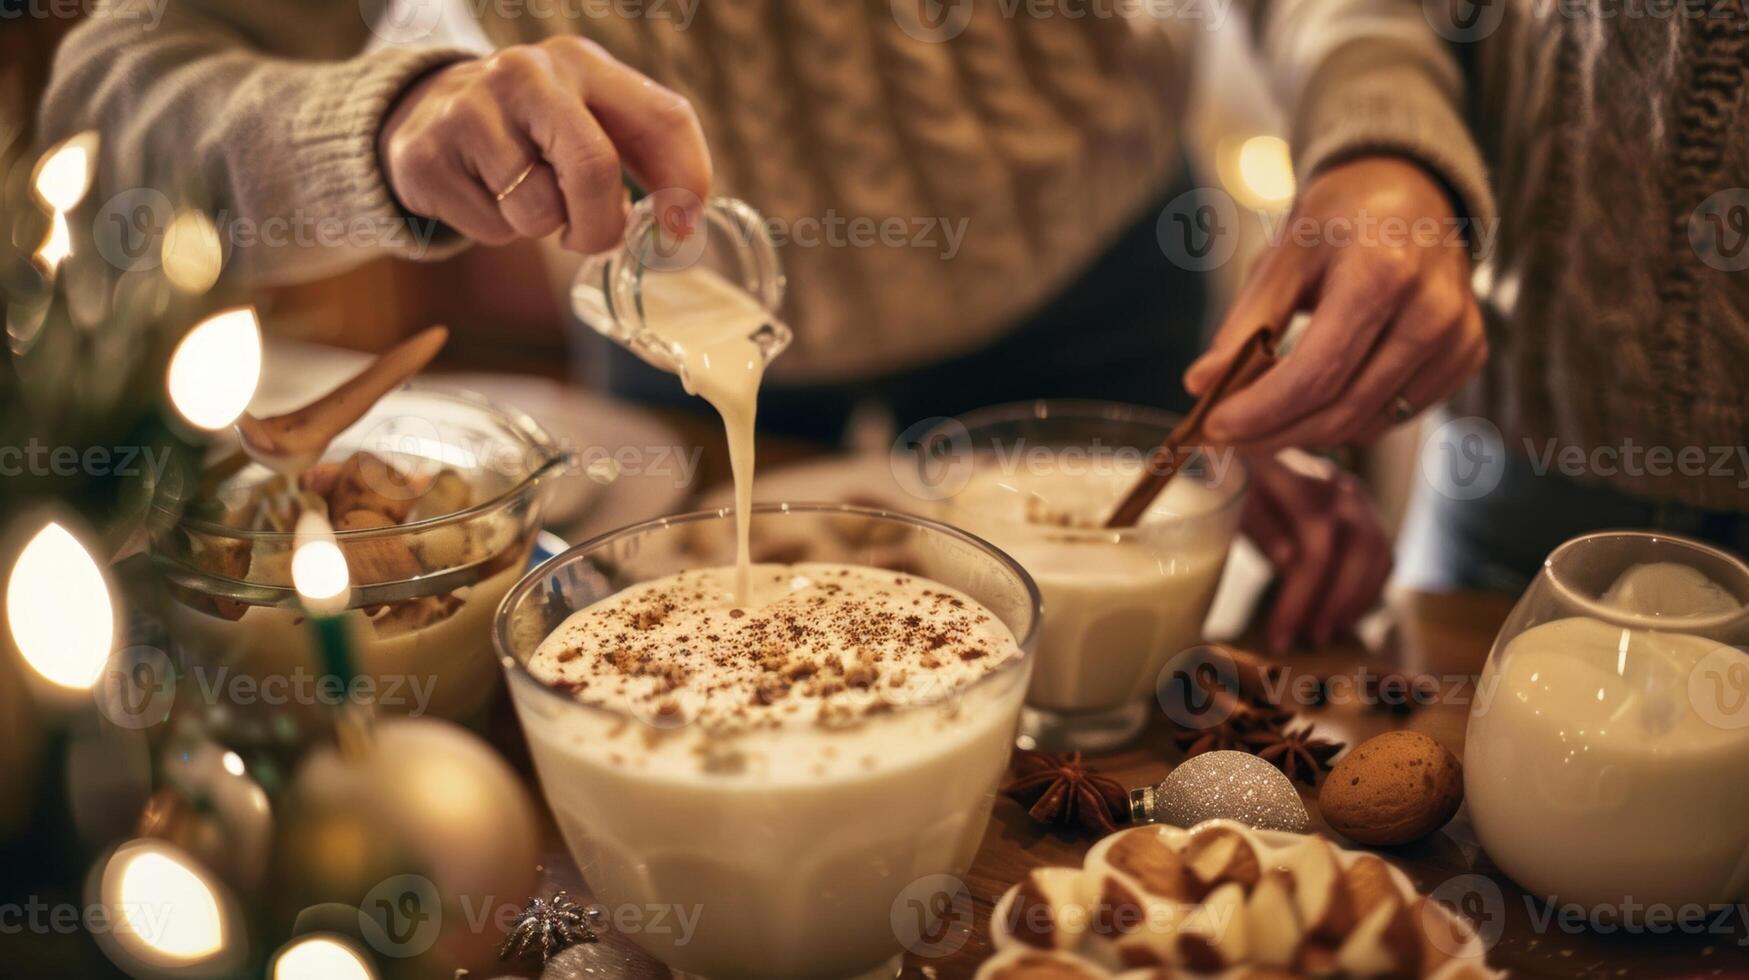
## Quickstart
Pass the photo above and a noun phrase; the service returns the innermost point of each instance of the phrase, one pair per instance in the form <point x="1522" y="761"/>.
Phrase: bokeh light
<point x="64" y="173"/>
<point x="59" y="609"/>
<point x="320" y="958"/>
<point x="192" y="255"/>
<point x="215" y="369"/>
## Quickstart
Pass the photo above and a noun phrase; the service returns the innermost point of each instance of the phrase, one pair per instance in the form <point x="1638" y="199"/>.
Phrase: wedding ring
<point x="506" y="192"/>
<point x="1401" y="410"/>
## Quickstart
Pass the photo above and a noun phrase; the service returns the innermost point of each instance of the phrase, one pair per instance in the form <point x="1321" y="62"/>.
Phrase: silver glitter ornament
<point x="1231" y="785"/>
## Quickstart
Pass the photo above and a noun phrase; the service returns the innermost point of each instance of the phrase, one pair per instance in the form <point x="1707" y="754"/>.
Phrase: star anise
<point x="1296" y="753"/>
<point x="1246" y="716"/>
<point x="551" y="927"/>
<point x="1062" y="791"/>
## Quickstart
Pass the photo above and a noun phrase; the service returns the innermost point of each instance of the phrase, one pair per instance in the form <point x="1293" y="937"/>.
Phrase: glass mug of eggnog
<point x="794" y="770"/>
<point x="1607" y="759"/>
<point x="1038" y="480"/>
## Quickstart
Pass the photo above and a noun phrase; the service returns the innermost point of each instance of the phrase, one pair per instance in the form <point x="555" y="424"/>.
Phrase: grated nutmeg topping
<point x="818" y="644"/>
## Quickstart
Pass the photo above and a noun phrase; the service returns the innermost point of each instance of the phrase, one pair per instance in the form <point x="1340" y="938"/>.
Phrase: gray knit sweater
<point x="1043" y="135"/>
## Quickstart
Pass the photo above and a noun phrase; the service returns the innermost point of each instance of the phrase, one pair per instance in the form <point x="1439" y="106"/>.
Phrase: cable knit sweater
<point x="1043" y="135"/>
<point x="1038" y="137"/>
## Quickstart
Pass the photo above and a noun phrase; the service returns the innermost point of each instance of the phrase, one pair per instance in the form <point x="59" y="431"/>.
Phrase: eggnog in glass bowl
<point x="785" y="767"/>
<point x="1608" y="747"/>
<point x="1039" y="479"/>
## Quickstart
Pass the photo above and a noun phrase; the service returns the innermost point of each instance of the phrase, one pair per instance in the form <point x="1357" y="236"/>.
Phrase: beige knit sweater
<point x="1033" y="137"/>
<point x="1042" y="135"/>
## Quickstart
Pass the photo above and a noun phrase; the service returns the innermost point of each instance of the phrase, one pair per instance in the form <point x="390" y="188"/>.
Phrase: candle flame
<point x="59" y="609"/>
<point x="166" y="907"/>
<point x="63" y="175"/>
<point x="215" y="369"/>
<point x="320" y="958"/>
<point x="318" y="567"/>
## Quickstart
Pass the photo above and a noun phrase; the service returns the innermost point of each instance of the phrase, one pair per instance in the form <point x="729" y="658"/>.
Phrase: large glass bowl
<point x="1607" y="749"/>
<point x="419" y="630"/>
<point x="1122" y="601"/>
<point x="791" y="869"/>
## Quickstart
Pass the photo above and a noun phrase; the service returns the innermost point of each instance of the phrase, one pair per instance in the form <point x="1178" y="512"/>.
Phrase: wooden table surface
<point x="1447" y="636"/>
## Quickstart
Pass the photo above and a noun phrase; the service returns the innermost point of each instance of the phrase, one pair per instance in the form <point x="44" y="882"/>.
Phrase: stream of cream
<point x="710" y="324"/>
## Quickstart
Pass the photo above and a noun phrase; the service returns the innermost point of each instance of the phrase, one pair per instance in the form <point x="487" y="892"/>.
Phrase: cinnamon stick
<point x="1253" y="359"/>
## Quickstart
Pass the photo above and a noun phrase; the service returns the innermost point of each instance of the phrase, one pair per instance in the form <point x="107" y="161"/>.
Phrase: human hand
<point x="1395" y="327"/>
<point x="532" y="139"/>
<point x="1330" y="553"/>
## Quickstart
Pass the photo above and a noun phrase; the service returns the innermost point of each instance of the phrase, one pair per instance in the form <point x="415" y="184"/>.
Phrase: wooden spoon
<point x="1253" y="359"/>
<point x="288" y="443"/>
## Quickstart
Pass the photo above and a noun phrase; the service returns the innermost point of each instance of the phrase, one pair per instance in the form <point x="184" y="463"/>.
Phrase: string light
<point x="318" y="567"/>
<point x="167" y="915"/>
<point x="215" y="369"/>
<point x="59" y="610"/>
<point x="320" y="958"/>
<point x="63" y="175"/>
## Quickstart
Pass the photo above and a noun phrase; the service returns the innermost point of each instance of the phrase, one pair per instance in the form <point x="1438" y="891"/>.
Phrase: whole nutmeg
<point x="1392" y="789"/>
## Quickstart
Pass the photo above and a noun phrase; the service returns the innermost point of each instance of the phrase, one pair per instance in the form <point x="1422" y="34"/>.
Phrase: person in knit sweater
<point x="1611" y="278"/>
<point x="1049" y="141"/>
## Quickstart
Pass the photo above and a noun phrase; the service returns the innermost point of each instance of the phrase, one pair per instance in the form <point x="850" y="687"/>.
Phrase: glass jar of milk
<point x="1607" y="760"/>
<point x="1038" y="480"/>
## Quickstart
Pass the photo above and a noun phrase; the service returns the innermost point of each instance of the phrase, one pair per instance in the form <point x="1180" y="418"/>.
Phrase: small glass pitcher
<point x="730" y="238"/>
